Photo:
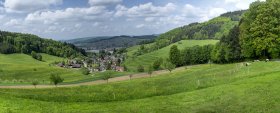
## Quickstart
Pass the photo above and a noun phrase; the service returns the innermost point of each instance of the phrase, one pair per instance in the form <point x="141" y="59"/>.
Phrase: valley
<point x="207" y="60"/>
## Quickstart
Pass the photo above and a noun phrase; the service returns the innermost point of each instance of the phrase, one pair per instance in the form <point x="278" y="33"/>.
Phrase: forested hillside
<point x="256" y="37"/>
<point x="26" y="43"/>
<point x="98" y="43"/>
<point x="213" y="29"/>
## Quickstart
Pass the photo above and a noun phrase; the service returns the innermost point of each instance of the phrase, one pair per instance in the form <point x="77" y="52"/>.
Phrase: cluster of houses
<point x="96" y="64"/>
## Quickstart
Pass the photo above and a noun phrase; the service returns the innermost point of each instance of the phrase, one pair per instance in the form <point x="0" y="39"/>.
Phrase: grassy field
<point x="149" y="58"/>
<point x="22" y="69"/>
<point x="197" y="89"/>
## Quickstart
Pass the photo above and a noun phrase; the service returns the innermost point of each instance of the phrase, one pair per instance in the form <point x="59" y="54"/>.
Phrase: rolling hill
<point x="23" y="69"/>
<point x="242" y="86"/>
<point x="11" y="42"/>
<point x="202" y="88"/>
<point x="213" y="29"/>
<point x="110" y="42"/>
<point x="148" y="59"/>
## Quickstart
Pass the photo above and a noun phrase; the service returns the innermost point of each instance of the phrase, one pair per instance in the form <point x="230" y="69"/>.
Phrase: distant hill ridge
<point x="106" y="42"/>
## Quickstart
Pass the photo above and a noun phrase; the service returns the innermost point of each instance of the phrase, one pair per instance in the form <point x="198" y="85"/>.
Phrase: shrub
<point x="157" y="64"/>
<point x="35" y="83"/>
<point x="150" y="70"/>
<point x="56" y="79"/>
<point x="107" y="76"/>
<point x="140" y="68"/>
<point x="169" y="66"/>
<point x="36" y="56"/>
<point x="85" y="71"/>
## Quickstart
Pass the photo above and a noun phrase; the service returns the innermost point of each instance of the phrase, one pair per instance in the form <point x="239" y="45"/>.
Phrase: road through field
<point x="116" y="79"/>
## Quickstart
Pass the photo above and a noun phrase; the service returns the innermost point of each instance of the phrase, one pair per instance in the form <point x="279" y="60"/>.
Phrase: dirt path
<point x="116" y="79"/>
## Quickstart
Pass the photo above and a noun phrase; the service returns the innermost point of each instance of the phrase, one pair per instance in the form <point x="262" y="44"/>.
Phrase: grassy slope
<point x="15" y="68"/>
<point x="219" y="88"/>
<point x="25" y="68"/>
<point x="149" y="58"/>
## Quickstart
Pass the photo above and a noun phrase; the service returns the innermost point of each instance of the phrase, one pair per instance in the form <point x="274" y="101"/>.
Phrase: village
<point x="97" y="62"/>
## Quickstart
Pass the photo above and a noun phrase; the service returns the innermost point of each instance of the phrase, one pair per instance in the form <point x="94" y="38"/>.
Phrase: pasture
<point x="200" y="88"/>
<point x="149" y="58"/>
<point x="22" y="69"/>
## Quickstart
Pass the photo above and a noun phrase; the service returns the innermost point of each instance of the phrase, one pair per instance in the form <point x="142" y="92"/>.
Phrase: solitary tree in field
<point x="35" y="83"/>
<point x="157" y="64"/>
<point x="150" y="70"/>
<point x="85" y="71"/>
<point x="107" y="76"/>
<point x="130" y="77"/>
<point x="39" y="57"/>
<point x="56" y="79"/>
<point x="34" y="54"/>
<point x="140" y="68"/>
<point x="169" y="66"/>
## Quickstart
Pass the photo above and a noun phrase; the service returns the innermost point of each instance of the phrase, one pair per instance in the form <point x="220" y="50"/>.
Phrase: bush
<point x="35" y="83"/>
<point x="39" y="57"/>
<point x="36" y="56"/>
<point x="157" y="64"/>
<point x="140" y="68"/>
<point x="107" y="76"/>
<point x="169" y="66"/>
<point x="56" y="79"/>
<point x="85" y="71"/>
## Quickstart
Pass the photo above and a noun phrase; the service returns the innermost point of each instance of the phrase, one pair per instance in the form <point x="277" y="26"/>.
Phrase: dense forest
<point x="257" y="36"/>
<point x="213" y="29"/>
<point x="26" y="43"/>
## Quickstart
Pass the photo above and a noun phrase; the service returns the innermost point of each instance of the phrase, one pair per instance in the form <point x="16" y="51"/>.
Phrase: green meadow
<point x="22" y="69"/>
<point x="205" y="88"/>
<point x="149" y="58"/>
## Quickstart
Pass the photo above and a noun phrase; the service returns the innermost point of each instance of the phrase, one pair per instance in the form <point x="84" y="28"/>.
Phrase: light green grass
<point x="22" y="69"/>
<point x="199" y="89"/>
<point x="149" y="58"/>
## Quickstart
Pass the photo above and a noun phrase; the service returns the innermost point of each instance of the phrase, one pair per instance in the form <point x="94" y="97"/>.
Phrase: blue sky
<point x="68" y="19"/>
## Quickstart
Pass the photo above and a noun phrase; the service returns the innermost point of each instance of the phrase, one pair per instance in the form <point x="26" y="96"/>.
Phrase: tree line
<point x="26" y="43"/>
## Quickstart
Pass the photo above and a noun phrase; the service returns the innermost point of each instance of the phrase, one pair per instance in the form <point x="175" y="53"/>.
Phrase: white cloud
<point x="201" y="14"/>
<point x="69" y="14"/>
<point x="103" y="2"/>
<point x="2" y="10"/>
<point x="241" y="4"/>
<point x="214" y="12"/>
<point x="12" y="22"/>
<point x="140" y="26"/>
<point x="191" y="11"/>
<point x="29" y="5"/>
<point x="145" y="10"/>
<point x="149" y="19"/>
<point x="95" y="24"/>
<point x="78" y="25"/>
